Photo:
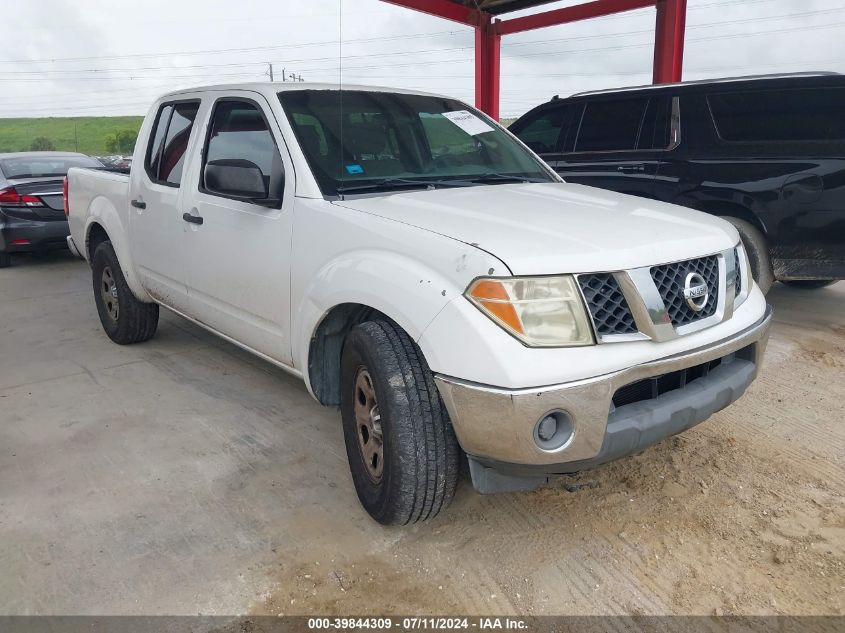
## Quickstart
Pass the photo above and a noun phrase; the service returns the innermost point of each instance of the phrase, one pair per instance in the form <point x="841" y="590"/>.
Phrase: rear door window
<point x="169" y="142"/>
<point x="608" y="126"/>
<point x="656" y="129"/>
<point x="814" y="114"/>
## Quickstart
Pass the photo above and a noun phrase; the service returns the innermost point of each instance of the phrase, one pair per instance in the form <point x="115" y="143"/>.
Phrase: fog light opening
<point x="553" y="431"/>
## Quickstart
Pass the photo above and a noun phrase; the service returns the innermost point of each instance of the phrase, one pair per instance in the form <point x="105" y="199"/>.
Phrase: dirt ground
<point x="744" y="514"/>
<point x="184" y="476"/>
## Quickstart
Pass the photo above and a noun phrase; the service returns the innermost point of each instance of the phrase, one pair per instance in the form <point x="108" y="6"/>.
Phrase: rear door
<point x="156" y="193"/>
<point x="616" y="143"/>
<point x="238" y="251"/>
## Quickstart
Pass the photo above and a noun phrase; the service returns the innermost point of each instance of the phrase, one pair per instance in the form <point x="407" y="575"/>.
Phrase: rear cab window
<point x="168" y="143"/>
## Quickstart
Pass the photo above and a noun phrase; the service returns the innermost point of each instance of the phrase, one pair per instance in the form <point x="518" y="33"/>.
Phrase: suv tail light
<point x="64" y="197"/>
<point x="10" y="197"/>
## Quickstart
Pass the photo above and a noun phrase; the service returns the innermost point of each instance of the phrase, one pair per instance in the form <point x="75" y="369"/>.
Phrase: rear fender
<point x="101" y="211"/>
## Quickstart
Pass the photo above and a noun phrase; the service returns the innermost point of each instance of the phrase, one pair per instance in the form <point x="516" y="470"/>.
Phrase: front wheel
<point x="758" y="253"/>
<point x="125" y="319"/>
<point x="809" y="284"/>
<point x="402" y="450"/>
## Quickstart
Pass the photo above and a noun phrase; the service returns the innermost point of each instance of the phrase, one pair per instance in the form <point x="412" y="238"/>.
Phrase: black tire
<point x="758" y="253"/>
<point x="5" y="260"/>
<point x="809" y="284"/>
<point x="125" y="319"/>
<point x="420" y="454"/>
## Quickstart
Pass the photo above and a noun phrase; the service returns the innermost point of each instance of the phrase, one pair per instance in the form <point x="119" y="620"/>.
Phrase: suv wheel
<point x="125" y="319"/>
<point x="758" y="253"/>
<point x="402" y="450"/>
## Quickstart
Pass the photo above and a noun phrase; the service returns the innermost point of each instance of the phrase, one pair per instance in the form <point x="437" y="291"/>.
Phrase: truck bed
<point x="99" y="193"/>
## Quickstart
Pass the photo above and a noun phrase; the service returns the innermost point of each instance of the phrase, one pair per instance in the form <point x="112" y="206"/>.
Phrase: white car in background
<point x="420" y="268"/>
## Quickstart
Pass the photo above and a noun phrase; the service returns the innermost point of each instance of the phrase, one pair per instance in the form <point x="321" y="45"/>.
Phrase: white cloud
<point x="124" y="50"/>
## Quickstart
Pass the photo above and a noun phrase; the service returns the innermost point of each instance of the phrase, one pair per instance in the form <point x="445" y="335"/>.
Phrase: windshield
<point x="359" y="141"/>
<point x="43" y="166"/>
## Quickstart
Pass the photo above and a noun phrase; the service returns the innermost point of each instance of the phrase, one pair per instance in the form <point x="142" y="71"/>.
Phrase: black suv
<point x="766" y="153"/>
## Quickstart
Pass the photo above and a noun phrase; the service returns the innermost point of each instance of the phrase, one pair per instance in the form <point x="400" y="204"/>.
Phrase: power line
<point x="416" y="52"/>
<point x="226" y="51"/>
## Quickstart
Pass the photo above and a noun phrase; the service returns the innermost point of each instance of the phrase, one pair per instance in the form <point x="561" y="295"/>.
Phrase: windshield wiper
<point x="503" y="178"/>
<point x="401" y="183"/>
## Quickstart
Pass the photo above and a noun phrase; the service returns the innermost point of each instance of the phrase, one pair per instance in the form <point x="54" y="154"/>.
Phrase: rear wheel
<point x="125" y="319"/>
<point x="402" y="450"/>
<point x="5" y="260"/>
<point x="758" y="253"/>
<point x="809" y="284"/>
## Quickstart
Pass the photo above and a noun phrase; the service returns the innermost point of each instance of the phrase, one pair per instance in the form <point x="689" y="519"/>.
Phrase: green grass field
<point x="71" y="134"/>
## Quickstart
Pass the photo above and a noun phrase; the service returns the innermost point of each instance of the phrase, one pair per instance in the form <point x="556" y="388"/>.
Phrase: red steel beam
<point x="585" y="11"/>
<point x="487" y="67"/>
<point x="442" y="9"/>
<point x="669" y="40"/>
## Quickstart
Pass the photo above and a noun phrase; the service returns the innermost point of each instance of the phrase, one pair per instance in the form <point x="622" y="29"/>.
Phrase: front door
<point x="238" y="241"/>
<point x="617" y="145"/>
<point x="156" y="195"/>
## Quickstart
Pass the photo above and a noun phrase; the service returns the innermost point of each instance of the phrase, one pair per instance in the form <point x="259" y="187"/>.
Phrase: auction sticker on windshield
<point x="468" y="122"/>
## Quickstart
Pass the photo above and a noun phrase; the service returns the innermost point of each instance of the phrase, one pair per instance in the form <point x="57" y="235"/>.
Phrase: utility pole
<point x="270" y="64"/>
<point x="284" y="77"/>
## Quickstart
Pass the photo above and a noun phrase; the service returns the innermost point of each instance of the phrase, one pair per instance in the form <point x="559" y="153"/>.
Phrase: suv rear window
<point x="611" y="125"/>
<point x="815" y="114"/>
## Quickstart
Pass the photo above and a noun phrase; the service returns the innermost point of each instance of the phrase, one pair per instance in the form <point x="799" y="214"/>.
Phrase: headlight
<point x="539" y="311"/>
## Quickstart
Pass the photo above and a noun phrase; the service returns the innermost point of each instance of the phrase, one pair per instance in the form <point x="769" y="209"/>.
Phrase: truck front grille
<point x="670" y="279"/>
<point x="656" y="386"/>
<point x="737" y="274"/>
<point x="607" y="304"/>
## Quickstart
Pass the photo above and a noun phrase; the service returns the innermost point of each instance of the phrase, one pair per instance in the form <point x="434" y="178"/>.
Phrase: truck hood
<point x="549" y="228"/>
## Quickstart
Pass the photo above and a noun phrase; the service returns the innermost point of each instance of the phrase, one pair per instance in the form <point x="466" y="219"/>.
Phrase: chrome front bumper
<point x="496" y="426"/>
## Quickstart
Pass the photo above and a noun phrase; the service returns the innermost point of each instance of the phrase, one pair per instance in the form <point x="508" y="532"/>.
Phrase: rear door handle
<point x="138" y="204"/>
<point x="631" y="169"/>
<point x="193" y="219"/>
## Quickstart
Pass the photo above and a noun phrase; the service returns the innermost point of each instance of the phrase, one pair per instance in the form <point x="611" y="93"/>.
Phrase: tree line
<point x="116" y="142"/>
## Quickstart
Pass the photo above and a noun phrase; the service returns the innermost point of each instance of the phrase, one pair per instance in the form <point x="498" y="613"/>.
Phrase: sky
<point x="114" y="57"/>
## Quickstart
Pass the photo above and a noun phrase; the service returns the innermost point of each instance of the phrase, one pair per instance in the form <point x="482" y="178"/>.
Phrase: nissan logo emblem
<point x="696" y="292"/>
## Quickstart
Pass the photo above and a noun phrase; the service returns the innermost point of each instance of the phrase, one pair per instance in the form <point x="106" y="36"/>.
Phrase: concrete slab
<point x="184" y="476"/>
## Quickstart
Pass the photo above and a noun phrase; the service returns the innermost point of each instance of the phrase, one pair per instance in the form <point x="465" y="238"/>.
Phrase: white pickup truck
<point x="420" y="268"/>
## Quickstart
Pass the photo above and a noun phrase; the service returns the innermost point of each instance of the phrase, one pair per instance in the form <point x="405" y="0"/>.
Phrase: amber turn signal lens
<point x="493" y="296"/>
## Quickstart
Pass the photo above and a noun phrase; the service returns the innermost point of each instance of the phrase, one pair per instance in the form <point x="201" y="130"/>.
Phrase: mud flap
<point x="488" y="481"/>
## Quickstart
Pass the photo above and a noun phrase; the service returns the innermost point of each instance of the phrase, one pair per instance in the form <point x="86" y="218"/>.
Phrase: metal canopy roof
<point x="498" y="7"/>
<point x="489" y="29"/>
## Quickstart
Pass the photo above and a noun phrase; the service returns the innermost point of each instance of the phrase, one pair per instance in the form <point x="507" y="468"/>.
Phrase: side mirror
<point x="236" y="178"/>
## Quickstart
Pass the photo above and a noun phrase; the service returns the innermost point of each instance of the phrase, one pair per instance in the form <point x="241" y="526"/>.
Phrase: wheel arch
<point x="326" y="347"/>
<point x="104" y="224"/>
<point x="732" y="209"/>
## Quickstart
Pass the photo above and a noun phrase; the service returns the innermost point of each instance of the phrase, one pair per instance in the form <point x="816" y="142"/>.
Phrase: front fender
<point x="398" y="286"/>
<point x="103" y="212"/>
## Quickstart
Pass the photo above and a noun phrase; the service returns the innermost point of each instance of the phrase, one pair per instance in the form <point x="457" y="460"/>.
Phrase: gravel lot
<point x="184" y="476"/>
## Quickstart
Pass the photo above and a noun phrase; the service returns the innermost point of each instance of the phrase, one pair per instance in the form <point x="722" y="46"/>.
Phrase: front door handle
<point x="138" y="204"/>
<point x="193" y="219"/>
<point x="631" y="169"/>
